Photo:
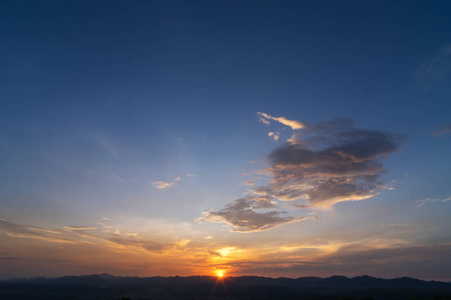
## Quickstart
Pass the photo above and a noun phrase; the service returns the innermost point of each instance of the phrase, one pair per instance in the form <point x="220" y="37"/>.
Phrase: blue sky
<point x="127" y="126"/>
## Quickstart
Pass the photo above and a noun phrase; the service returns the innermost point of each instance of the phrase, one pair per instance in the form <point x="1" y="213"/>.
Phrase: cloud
<point x="79" y="227"/>
<point x="328" y="163"/>
<point x="325" y="164"/>
<point x="264" y="121"/>
<point x="350" y="259"/>
<point x="423" y="202"/>
<point x="23" y="231"/>
<point x="191" y="175"/>
<point x="242" y="215"/>
<point x="275" y="136"/>
<point x="435" y="73"/>
<point x="116" y="178"/>
<point x="85" y="235"/>
<point x="250" y="183"/>
<point x="164" y="185"/>
<point x="150" y="246"/>
<point x="290" y="123"/>
<point x="443" y="129"/>
<point x="43" y="230"/>
<point x="128" y="239"/>
<point x="106" y="144"/>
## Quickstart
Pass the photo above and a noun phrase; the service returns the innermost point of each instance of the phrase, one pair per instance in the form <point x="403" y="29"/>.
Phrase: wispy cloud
<point x="106" y="144"/>
<point x="263" y="120"/>
<point x="423" y="202"/>
<point x="51" y="231"/>
<point x="275" y="136"/>
<point x="131" y="241"/>
<point x="435" y="73"/>
<point x="79" y="227"/>
<point x="87" y="234"/>
<point x="164" y="185"/>
<point x="443" y="129"/>
<point x="24" y="231"/>
<point x="290" y="123"/>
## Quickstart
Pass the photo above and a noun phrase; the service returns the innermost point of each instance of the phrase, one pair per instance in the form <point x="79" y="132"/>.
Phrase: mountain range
<point x="109" y="287"/>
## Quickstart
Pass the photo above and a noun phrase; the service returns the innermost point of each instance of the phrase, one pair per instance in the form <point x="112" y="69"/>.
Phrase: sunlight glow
<point x="220" y="273"/>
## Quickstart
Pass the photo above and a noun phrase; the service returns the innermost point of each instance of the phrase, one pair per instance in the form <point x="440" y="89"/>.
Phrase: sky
<point x="269" y="138"/>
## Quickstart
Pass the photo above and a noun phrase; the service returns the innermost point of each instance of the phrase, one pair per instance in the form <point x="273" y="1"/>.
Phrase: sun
<point x="220" y="273"/>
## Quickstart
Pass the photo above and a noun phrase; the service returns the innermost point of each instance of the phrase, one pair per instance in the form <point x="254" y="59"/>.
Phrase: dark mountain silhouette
<point x="109" y="287"/>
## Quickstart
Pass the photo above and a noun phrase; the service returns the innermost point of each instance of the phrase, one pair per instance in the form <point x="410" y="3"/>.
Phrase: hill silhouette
<point x="109" y="287"/>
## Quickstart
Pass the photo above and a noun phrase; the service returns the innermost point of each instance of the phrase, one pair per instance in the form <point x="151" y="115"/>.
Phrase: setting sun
<point x="220" y="274"/>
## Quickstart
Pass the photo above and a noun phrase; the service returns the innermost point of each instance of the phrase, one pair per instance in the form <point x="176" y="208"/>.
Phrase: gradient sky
<point x="272" y="138"/>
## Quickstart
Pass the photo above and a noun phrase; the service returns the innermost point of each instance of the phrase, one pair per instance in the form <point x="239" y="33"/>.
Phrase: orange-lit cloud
<point x="325" y="164"/>
<point x="128" y="255"/>
<point x="79" y="227"/>
<point x="164" y="185"/>
<point x="243" y="214"/>
<point x="290" y="123"/>
<point x="22" y="231"/>
<point x="274" y="135"/>
<point x="329" y="162"/>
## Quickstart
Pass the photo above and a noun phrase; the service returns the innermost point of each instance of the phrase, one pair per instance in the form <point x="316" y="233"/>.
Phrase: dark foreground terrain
<point x="108" y="287"/>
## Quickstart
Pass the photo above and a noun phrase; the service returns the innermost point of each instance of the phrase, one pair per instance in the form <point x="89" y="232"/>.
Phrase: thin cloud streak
<point x="435" y="74"/>
<point x="443" y="129"/>
<point x="161" y="185"/>
<point x="290" y="123"/>
<point x="431" y="200"/>
<point x="23" y="231"/>
<point x="79" y="227"/>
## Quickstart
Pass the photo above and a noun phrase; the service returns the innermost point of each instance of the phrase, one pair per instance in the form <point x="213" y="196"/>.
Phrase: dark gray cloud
<point x="242" y="215"/>
<point x="329" y="162"/>
<point x="322" y="164"/>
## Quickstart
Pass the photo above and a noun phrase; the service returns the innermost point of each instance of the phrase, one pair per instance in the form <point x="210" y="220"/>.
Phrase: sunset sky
<point x="269" y="138"/>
